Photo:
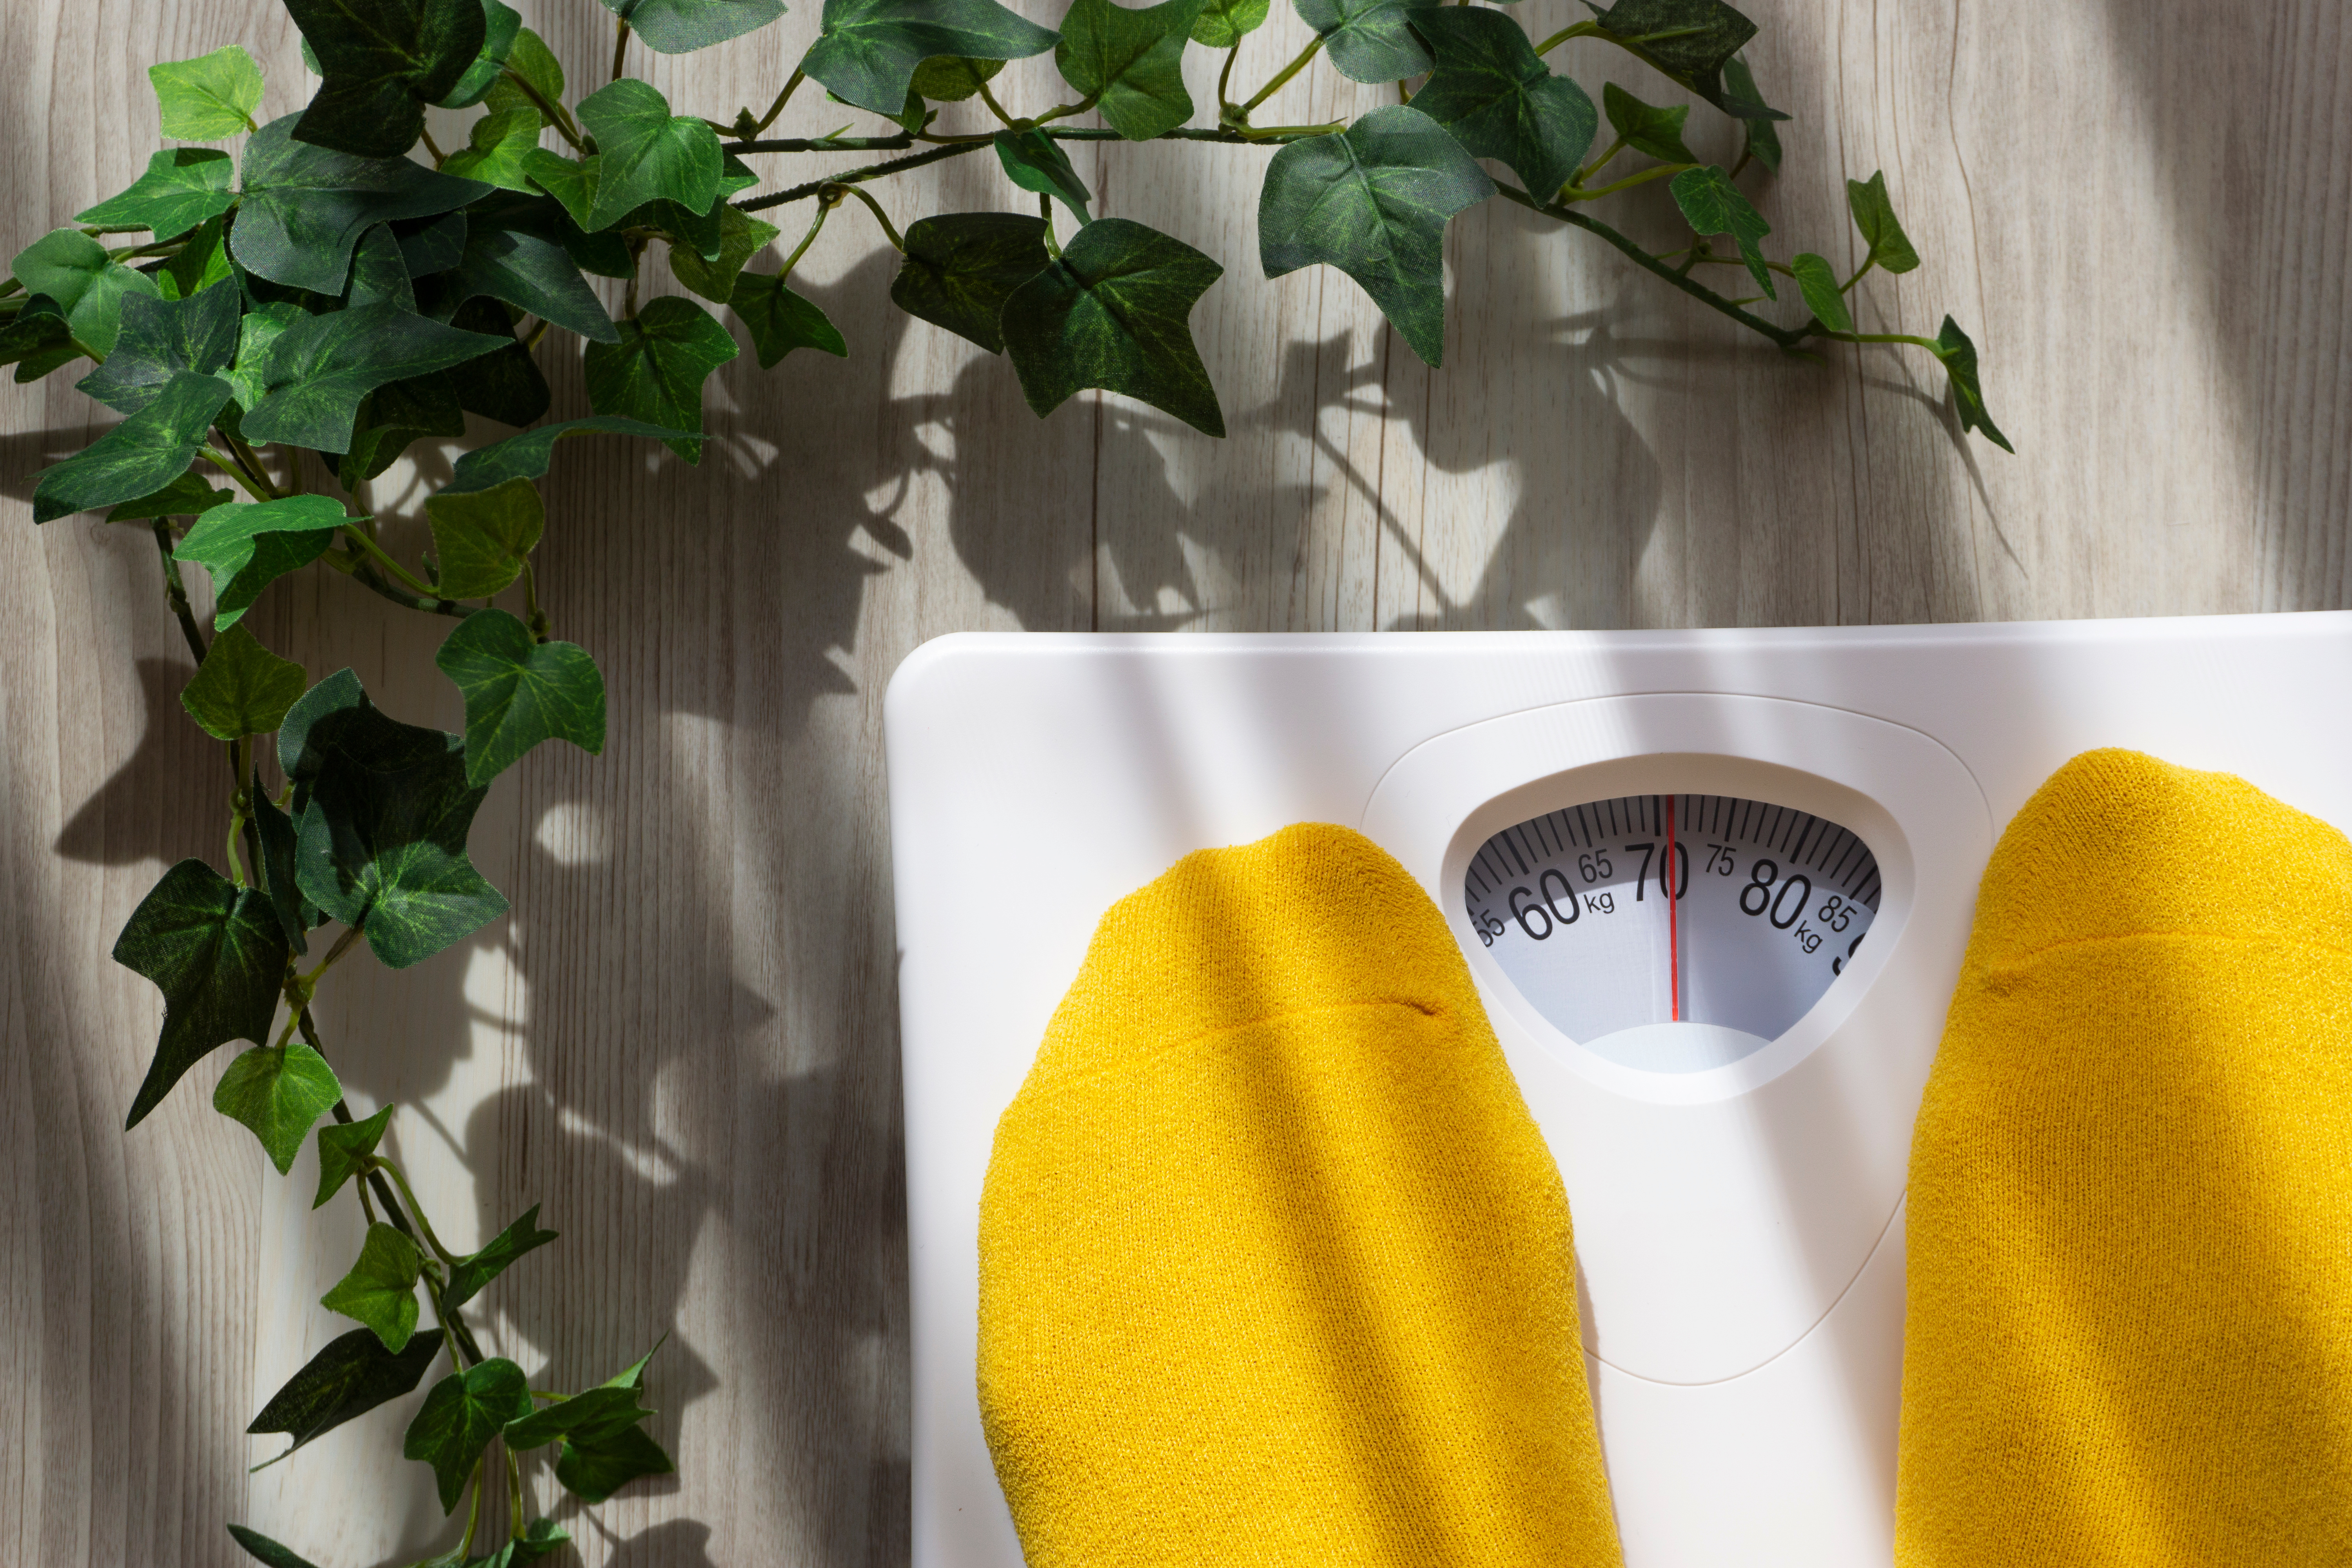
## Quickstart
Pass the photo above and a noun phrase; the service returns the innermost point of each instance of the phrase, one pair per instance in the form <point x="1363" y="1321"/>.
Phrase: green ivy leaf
<point x="593" y="1416"/>
<point x="544" y="1537"/>
<point x="519" y="692"/>
<point x="247" y="545"/>
<point x="960" y="267"/>
<point x="496" y="149"/>
<point x="304" y="208"/>
<point x="88" y="285"/>
<point x="741" y="236"/>
<point x="322" y="367"/>
<point x="202" y="261"/>
<point x="645" y="153"/>
<point x="1494" y="92"/>
<point x="1114" y="312"/>
<point x="483" y="537"/>
<point x="571" y="181"/>
<point x="380" y="272"/>
<point x="1763" y="142"/>
<point x="433" y="245"/>
<point x="950" y="79"/>
<point x="478" y="1269"/>
<point x="682" y="27"/>
<point x="345" y="1148"/>
<point x="1714" y="206"/>
<point x="1645" y="127"/>
<point x="38" y="340"/>
<point x="504" y="385"/>
<point x="209" y="96"/>
<point x="383" y="60"/>
<point x="349" y="1377"/>
<point x="263" y="1549"/>
<point x="1130" y="64"/>
<point x="531" y="273"/>
<point x="138" y="457"/>
<point x="1960" y="357"/>
<point x="459" y="1417"/>
<point x="1817" y="282"/>
<point x="1035" y="161"/>
<point x="1874" y="215"/>
<point x="527" y="456"/>
<point x="262" y="326"/>
<point x="1374" y="202"/>
<point x="296" y="914"/>
<point x="278" y="1091"/>
<point x="1689" y="41"/>
<point x="183" y="186"/>
<point x="1222" y="24"/>
<point x="530" y="60"/>
<point x="592" y="1471"/>
<point x="380" y="1288"/>
<point x="215" y="951"/>
<point x="185" y="497"/>
<point x="866" y="50"/>
<point x="655" y="372"/>
<point x="501" y="25"/>
<point x="780" y="320"/>
<point x="1369" y="40"/>
<point x="392" y="417"/>
<point x="161" y="338"/>
<point x="242" y="688"/>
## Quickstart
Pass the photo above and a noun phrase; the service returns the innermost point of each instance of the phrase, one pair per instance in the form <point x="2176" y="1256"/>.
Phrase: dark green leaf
<point x="531" y="274"/>
<point x="519" y="692"/>
<point x="322" y="367"/>
<point x="1960" y="357"/>
<point x="501" y="25"/>
<point x="1645" y="127"/>
<point x="483" y="537"/>
<point x="202" y="261"/>
<point x="209" y="96"/>
<point x="478" y="1270"/>
<point x="644" y="154"/>
<point x="392" y="417"/>
<point x="741" y="236"/>
<point x="459" y="1417"/>
<point x="1222" y="24"/>
<point x="535" y="63"/>
<point x="960" y="267"/>
<point x="1763" y="142"/>
<point x="526" y="455"/>
<point x="655" y="372"/>
<point x="343" y="1150"/>
<point x="383" y="60"/>
<point x="1035" y="161"/>
<point x="498" y="149"/>
<point x="138" y="457"/>
<point x="595" y="1471"/>
<point x="184" y="497"/>
<point x="1369" y="40"/>
<point x="304" y="208"/>
<point x="349" y="1378"/>
<point x="588" y="1418"/>
<point x="380" y="1288"/>
<point x="505" y="384"/>
<point x="1114" y="312"/>
<point x="247" y="545"/>
<point x="263" y="1549"/>
<point x="183" y="186"/>
<point x="1874" y="215"/>
<point x="544" y="1537"/>
<point x="296" y="914"/>
<point x="866" y="50"/>
<point x="428" y="246"/>
<point x="1714" y="206"/>
<point x="380" y="272"/>
<point x="242" y="688"/>
<point x="950" y="79"/>
<point x="1816" y="280"/>
<point x="74" y="269"/>
<point x="780" y="320"/>
<point x="1500" y="101"/>
<point x="681" y="27"/>
<point x="1130" y="63"/>
<point x="1689" y="41"/>
<point x="37" y="340"/>
<point x="161" y="338"/>
<point x="278" y="1091"/>
<point x="1374" y="203"/>
<point x="215" y="952"/>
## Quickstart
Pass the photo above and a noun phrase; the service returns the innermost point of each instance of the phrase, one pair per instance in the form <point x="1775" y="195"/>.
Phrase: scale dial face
<point x="1767" y="905"/>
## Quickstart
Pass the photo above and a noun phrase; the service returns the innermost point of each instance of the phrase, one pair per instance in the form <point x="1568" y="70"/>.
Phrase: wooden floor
<point x="684" y="1044"/>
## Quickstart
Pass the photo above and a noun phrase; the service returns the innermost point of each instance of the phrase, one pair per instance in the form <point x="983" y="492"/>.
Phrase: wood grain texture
<point x="684" y="1044"/>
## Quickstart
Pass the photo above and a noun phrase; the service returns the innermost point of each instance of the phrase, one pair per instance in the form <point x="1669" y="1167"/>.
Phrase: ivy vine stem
<point x="1282" y="78"/>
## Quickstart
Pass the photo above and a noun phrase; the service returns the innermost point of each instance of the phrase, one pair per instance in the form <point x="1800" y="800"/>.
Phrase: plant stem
<point x="1045" y="211"/>
<point x="1225" y="104"/>
<point x="1282" y="76"/>
<point x="1930" y="345"/>
<point x="824" y="211"/>
<point x="889" y="231"/>
<point x="236" y="819"/>
<point x="392" y="1169"/>
<point x="1584" y="29"/>
<point x="782" y="98"/>
<point x="994" y="107"/>
<point x="400" y="573"/>
<point x="439" y="157"/>
<point x="514" y="1496"/>
<point x="554" y="113"/>
<point x="1867" y="263"/>
<point x="175" y="592"/>
<point x="1228" y="136"/>
<point x="357" y="568"/>
<point x="1578" y="193"/>
<point x="473" y="1514"/>
<point x="827" y="144"/>
<point x="620" y="45"/>
<point x="852" y="176"/>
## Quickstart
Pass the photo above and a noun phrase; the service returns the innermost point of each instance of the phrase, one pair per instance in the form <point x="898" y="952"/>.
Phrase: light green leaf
<point x="1645" y="127"/>
<point x="459" y="1417"/>
<point x="183" y="186"/>
<point x="1369" y="40"/>
<point x="527" y="456"/>
<point x="1114" y="312"/>
<point x="1500" y="101"/>
<point x="161" y="338"/>
<point x="519" y="692"/>
<point x="279" y="1092"/>
<point x="681" y="27"/>
<point x="1874" y="215"/>
<point x="592" y="1416"/>
<point x="741" y="236"/>
<point x="322" y="367"/>
<point x="209" y="96"/>
<point x="501" y="25"/>
<point x="655" y="372"/>
<point x="1816" y="280"/>
<point x="138" y="457"/>
<point x="866" y="50"/>
<point x="1763" y="142"/>
<point x="780" y="320"/>
<point x="1374" y="203"/>
<point x="1714" y="206"/>
<point x="477" y="1270"/>
<point x="1130" y="64"/>
<point x="380" y="1288"/>
<point x="256" y="333"/>
<point x="497" y="150"/>
<point x="345" y="1148"/>
<point x="185" y="497"/>
<point x="215" y="951"/>
<point x="1960" y="357"/>
<point x="247" y="545"/>
<point x="950" y="79"/>
<point x="75" y="271"/>
<point x="960" y="267"/>
<point x="534" y="62"/>
<point x="595" y="1471"/>
<point x="304" y="208"/>
<point x="1690" y="41"/>
<point x="269" y="1553"/>
<point x="483" y="537"/>
<point x="1222" y="24"/>
<point x="383" y="61"/>
<point x="644" y="154"/>
<point x="352" y="1375"/>
<point x="1035" y="161"/>
<point x="242" y="688"/>
<point x="202" y="261"/>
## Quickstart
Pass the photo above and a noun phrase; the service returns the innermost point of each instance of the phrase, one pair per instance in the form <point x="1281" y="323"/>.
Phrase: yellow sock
<point x="2129" y="1335"/>
<point x="1275" y="1265"/>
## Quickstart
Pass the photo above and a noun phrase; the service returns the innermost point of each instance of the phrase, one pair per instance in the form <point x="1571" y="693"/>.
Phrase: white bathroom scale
<point x="1714" y="886"/>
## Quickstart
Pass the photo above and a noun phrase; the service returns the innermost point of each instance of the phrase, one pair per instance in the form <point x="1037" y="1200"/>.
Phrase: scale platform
<point x="1714" y="886"/>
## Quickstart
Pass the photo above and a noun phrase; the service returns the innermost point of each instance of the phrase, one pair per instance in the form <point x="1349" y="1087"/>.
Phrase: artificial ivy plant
<point x="299" y="316"/>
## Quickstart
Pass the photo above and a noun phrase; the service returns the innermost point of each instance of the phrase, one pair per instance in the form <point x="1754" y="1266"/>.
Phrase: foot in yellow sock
<point x="2129" y="1333"/>
<point x="1274" y="1266"/>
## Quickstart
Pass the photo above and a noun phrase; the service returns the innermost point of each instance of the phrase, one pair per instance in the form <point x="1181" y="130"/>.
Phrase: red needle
<point x="1673" y="920"/>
